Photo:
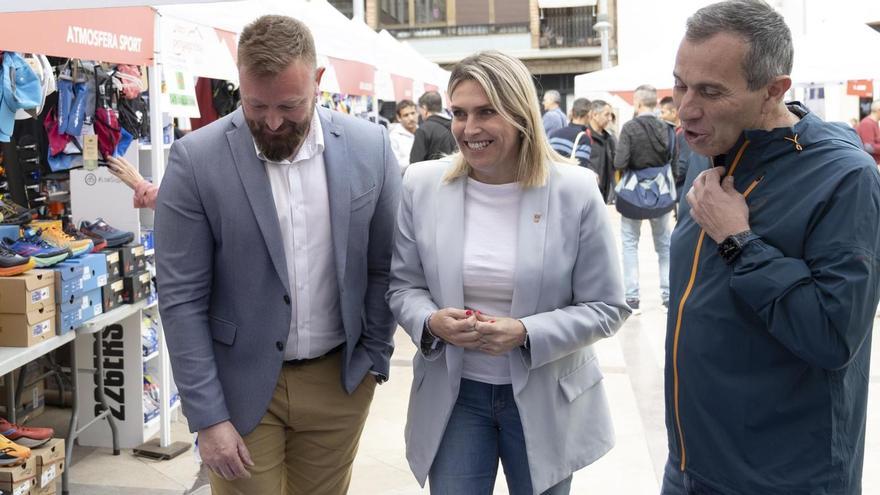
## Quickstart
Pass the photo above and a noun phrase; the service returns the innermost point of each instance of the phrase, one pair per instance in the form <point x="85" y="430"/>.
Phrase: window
<point x="430" y="11"/>
<point x="393" y="12"/>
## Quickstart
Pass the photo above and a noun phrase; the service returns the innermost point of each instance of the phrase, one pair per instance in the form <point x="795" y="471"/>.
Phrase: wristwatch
<point x="731" y="247"/>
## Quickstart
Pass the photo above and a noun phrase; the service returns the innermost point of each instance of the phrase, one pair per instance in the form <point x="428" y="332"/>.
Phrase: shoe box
<point x="30" y="403"/>
<point x="30" y="291"/>
<point x="131" y="259"/>
<point x="19" y="480"/>
<point x="11" y="231"/>
<point x="81" y="308"/>
<point x="27" y="308"/>
<point x="114" y="267"/>
<point x="49" y="465"/>
<point x="113" y="294"/>
<point x="137" y="287"/>
<point x="79" y="275"/>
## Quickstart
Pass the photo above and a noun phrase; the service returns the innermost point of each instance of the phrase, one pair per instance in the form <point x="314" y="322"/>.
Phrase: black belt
<point x="300" y="362"/>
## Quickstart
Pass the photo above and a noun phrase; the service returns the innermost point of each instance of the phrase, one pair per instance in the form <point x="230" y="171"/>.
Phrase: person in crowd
<point x="145" y="192"/>
<point x="402" y="133"/>
<point x="869" y="132"/>
<point x="685" y="155"/>
<point x="644" y="143"/>
<point x="274" y="233"/>
<point x="554" y="118"/>
<point x="433" y="139"/>
<point x="503" y="298"/>
<point x="668" y="112"/>
<point x="573" y="141"/>
<point x="602" y="148"/>
<point x="774" y="277"/>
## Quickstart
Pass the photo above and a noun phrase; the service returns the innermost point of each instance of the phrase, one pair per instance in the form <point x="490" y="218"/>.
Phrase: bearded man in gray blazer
<point x="273" y="229"/>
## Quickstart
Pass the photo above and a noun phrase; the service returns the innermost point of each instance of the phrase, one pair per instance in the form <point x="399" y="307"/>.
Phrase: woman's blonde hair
<point x="511" y="92"/>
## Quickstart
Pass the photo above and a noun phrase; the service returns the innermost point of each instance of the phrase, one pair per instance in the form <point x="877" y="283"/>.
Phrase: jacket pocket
<point x="221" y="330"/>
<point x="362" y="199"/>
<point x="583" y="378"/>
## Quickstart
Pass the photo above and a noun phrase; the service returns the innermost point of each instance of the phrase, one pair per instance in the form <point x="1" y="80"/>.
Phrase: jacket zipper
<point x="687" y="292"/>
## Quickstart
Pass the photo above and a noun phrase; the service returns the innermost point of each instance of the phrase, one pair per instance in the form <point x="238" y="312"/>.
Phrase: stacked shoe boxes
<point x="19" y="480"/>
<point x="49" y="465"/>
<point x="136" y="278"/>
<point x="27" y="308"/>
<point x="79" y="283"/>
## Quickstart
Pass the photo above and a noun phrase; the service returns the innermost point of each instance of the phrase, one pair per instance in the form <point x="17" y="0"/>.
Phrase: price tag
<point x="90" y="152"/>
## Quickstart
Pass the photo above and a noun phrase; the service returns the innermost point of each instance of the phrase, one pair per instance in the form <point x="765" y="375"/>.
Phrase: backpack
<point x="134" y="116"/>
<point x="225" y="97"/>
<point x="648" y="192"/>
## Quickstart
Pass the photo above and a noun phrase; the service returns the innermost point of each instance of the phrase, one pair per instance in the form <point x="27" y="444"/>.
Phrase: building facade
<point x="556" y="39"/>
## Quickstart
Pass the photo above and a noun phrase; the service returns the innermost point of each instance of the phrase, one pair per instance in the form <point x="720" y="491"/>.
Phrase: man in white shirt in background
<point x="403" y="132"/>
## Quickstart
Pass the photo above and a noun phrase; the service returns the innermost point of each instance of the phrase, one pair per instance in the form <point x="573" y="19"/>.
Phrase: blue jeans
<point x="678" y="482"/>
<point x="630" y="229"/>
<point x="484" y="427"/>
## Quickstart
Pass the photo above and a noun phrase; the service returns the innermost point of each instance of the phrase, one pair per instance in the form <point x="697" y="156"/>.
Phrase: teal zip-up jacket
<point x="767" y="359"/>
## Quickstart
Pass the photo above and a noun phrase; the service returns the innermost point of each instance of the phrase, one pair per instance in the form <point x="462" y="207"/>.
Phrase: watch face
<point x="729" y="248"/>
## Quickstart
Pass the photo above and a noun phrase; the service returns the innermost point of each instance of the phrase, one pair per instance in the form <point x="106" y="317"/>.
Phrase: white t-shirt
<point x="491" y="216"/>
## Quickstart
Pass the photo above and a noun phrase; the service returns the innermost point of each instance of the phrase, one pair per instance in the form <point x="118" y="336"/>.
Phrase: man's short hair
<point x="403" y="105"/>
<point x="271" y="43"/>
<point x="875" y="107"/>
<point x="431" y="101"/>
<point x="770" y="53"/>
<point x="553" y="95"/>
<point x="646" y="95"/>
<point x="598" y="105"/>
<point x="580" y="108"/>
<point x="667" y="101"/>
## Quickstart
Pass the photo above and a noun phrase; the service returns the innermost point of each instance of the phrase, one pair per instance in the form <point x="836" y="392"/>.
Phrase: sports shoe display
<point x="13" y="214"/>
<point x="42" y="253"/>
<point x="13" y="264"/>
<point x="112" y="235"/>
<point x="11" y="453"/>
<point x="25" y="435"/>
<point x="60" y="239"/>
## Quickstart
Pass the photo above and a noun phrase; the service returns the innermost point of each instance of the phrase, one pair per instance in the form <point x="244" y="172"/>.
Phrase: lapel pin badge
<point x="536" y="218"/>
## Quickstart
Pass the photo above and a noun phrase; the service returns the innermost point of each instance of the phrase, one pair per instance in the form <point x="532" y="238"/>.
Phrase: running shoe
<point x="60" y="239"/>
<point x="98" y="242"/>
<point x="25" y="435"/>
<point x="13" y="264"/>
<point x="13" y="214"/>
<point x="12" y="454"/>
<point x="42" y="253"/>
<point x="112" y="235"/>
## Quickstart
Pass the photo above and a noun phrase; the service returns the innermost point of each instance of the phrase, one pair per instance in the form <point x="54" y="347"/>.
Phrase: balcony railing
<point x="568" y="27"/>
<point x="419" y="32"/>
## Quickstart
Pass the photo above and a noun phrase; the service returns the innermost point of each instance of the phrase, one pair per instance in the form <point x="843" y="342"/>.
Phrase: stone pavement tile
<point x="124" y="471"/>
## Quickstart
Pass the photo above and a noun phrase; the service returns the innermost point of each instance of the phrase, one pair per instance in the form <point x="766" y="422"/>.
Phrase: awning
<point x="403" y="87"/>
<point x="563" y="4"/>
<point x="355" y="78"/>
<point x="117" y="35"/>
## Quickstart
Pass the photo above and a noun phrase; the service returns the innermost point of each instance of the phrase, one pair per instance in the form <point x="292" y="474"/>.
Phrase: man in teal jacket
<point x="774" y="274"/>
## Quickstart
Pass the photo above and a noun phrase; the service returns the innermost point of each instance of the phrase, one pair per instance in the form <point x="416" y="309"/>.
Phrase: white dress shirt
<point x="299" y="188"/>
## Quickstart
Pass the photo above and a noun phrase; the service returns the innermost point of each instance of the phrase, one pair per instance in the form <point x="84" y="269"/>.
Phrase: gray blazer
<point x="568" y="292"/>
<point x="222" y="274"/>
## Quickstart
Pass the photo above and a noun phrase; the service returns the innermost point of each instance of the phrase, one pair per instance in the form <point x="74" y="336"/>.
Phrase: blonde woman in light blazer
<point x="504" y="273"/>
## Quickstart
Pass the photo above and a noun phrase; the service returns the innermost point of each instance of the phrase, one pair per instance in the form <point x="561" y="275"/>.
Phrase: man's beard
<point x="281" y="144"/>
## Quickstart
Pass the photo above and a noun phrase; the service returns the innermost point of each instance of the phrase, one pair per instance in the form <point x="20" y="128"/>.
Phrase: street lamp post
<point x="603" y="26"/>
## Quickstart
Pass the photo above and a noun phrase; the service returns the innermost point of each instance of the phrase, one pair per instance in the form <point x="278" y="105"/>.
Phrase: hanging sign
<point x="116" y="35"/>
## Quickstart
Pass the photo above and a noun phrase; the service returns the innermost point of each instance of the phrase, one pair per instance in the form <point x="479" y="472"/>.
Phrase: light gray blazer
<point x="567" y="291"/>
<point x="222" y="274"/>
